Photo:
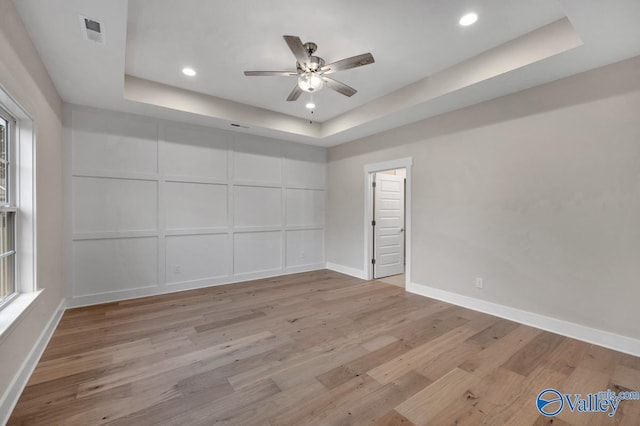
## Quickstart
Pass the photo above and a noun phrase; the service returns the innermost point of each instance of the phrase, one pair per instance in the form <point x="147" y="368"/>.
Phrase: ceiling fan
<point x="312" y="71"/>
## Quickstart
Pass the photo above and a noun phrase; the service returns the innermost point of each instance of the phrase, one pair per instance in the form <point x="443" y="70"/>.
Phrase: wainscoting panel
<point x="195" y="205"/>
<point x="108" y="204"/>
<point x="257" y="252"/>
<point x="196" y="257"/>
<point x="305" y="207"/>
<point x="195" y="152"/>
<point x="111" y="265"/>
<point x="304" y="247"/>
<point x="257" y="160"/>
<point x="257" y="206"/>
<point x="158" y="206"/>
<point x="115" y="143"/>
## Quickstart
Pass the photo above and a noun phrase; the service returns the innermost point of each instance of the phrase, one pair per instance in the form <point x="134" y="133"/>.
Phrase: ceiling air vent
<point x="92" y="30"/>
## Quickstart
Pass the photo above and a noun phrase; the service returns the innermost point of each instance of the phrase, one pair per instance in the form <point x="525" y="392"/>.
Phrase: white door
<point x="388" y="231"/>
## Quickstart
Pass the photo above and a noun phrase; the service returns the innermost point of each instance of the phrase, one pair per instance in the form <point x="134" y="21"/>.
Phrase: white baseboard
<point x="576" y="331"/>
<point x="134" y="293"/>
<point x="347" y="270"/>
<point x="13" y="392"/>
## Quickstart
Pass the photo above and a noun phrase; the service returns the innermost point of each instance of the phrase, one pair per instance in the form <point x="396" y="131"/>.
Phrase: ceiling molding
<point x="425" y="63"/>
<point x="537" y="45"/>
<point x="162" y="95"/>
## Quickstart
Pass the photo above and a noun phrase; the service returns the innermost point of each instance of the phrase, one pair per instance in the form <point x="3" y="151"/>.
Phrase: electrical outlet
<point x="177" y="269"/>
<point x="479" y="282"/>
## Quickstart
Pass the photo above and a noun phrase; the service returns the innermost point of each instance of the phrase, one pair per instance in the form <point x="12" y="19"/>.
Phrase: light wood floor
<point x="397" y="280"/>
<point x="313" y="348"/>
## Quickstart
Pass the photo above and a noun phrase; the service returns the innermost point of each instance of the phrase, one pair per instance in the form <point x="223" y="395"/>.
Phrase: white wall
<point x="537" y="192"/>
<point x="156" y="206"/>
<point x="25" y="79"/>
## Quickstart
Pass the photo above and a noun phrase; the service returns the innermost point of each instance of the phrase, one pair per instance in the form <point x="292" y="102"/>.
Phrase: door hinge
<point x="373" y="183"/>
<point x="373" y="223"/>
<point x="373" y="261"/>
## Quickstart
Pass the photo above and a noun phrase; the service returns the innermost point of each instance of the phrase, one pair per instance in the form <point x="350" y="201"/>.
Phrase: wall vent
<point x="93" y="30"/>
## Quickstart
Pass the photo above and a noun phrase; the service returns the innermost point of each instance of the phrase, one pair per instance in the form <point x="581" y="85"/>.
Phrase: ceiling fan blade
<point x="295" y="93"/>
<point x="270" y="73"/>
<point x="352" y="62"/>
<point x="296" y="46"/>
<point x="339" y="87"/>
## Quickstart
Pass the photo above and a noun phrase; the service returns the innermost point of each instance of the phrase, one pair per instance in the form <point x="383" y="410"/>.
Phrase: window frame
<point x="10" y="206"/>
<point x="26" y="238"/>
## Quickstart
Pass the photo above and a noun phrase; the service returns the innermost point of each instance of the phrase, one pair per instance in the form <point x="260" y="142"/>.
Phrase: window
<point x="18" y="242"/>
<point x="7" y="209"/>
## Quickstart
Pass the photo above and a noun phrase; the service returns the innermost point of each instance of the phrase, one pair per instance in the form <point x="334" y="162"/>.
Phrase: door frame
<point x="369" y="173"/>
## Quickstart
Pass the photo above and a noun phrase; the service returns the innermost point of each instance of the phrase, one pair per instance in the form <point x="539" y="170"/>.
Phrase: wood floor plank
<point x="220" y="353"/>
<point x="422" y="407"/>
<point x="626" y="377"/>
<point x="420" y="356"/>
<point x="274" y="405"/>
<point x="393" y="418"/>
<point x="377" y="403"/>
<point x="378" y="343"/>
<point x="447" y="360"/>
<point x="493" y="356"/>
<point x="316" y="348"/>
<point x="314" y="411"/>
<point x="582" y="380"/>
<point x="520" y="407"/>
<point x="532" y="354"/>
<point x="358" y="367"/>
<point x="496" y="331"/>
<point x="203" y="413"/>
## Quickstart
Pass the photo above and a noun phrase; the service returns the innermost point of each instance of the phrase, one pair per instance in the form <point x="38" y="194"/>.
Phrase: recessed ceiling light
<point x="188" y="71"/>
<point x="468" y="19"/>
<point x="310" y="105"/>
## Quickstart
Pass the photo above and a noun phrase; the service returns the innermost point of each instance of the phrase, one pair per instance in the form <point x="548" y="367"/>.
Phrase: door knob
<point x="401" y="229"/>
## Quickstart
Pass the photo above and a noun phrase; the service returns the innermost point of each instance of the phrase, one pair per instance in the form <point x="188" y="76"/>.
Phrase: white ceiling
<point x="426" y="63"/>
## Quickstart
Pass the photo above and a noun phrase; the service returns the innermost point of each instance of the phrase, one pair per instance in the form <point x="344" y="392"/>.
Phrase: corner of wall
<point x="347" y="270"/>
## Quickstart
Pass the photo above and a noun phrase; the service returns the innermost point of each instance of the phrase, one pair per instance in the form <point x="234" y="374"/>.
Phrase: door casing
<point x="369" y="172"/>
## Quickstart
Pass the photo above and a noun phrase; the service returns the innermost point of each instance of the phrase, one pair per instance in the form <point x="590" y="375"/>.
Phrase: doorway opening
<point x="388" y="221"/>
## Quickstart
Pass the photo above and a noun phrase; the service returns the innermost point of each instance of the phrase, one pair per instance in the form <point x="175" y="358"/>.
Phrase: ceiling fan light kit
<point x="312" y="71"/>
<point x="310" y="82"/>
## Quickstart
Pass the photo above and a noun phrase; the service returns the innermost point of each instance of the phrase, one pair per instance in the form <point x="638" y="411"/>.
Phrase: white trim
<point x="204" y="180"/>
<point x="347" y="270"/>
<point x="10" y="397"/>
<point x="24" y="174"/>
<point x="257" y="184"/>
<point x="112" y="235"/>
<point x="68" y="216"/>
<point x="14" y="311"/>
<point x="114" y="174"/>
<point x="172" y="287"/>
<point x="304" y="268"/>
<point x="565" y="328"/>
<point x="304" y="187"/>
<point x="389" y="165"/>
<point x="369" y="171"/>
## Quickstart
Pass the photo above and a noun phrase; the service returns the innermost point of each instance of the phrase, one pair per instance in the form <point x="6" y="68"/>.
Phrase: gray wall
<point x="23" y="76"/>
<point x="537" y="192"/>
